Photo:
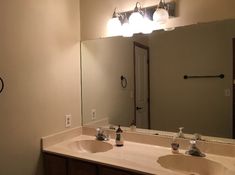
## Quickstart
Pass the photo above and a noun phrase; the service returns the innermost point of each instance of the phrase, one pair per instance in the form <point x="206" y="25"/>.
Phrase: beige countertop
<point x="132" y="156"/>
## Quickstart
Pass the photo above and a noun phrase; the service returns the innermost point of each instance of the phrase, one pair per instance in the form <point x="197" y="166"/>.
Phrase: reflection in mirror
<point x="157" y="96"/>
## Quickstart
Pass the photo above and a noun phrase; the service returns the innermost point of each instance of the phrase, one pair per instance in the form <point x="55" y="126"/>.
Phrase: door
<point x="142" y="107"/>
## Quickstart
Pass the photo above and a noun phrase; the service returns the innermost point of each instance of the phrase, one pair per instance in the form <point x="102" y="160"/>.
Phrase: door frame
<point x="136" y="44"/>
<point x="233" y="86"/>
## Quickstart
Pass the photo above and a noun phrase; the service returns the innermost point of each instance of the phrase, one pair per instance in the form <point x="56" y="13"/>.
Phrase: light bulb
<point x="127" y="30"/>
<point x="114" y="27"/>
<point x="147" y="26"/>
<point x="136" y="22"/>
<point x="160" y="16"/>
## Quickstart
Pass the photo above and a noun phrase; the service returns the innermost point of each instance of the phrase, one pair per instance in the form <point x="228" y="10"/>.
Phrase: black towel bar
<point x="221" y="76"/>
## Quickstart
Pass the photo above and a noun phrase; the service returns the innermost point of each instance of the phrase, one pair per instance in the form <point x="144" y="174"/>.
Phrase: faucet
<point x="100" y="135"/>
<point x="194" y="150"/>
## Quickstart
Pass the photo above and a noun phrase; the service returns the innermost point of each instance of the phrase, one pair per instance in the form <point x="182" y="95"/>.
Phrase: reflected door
<point x="141" y="59"/>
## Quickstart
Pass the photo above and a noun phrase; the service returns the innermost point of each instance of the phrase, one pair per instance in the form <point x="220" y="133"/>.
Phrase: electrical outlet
<point x="68" y="121"/>
<point x="93" y="114"/>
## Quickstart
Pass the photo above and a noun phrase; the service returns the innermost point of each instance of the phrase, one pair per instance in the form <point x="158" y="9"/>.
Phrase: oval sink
<point x="190" y="165"/>
<point x="90" y="146"/>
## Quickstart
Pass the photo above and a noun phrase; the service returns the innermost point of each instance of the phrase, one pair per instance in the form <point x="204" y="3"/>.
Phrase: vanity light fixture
<point x="114" y="24"/>
<point x="161" y="14"/>
<point x="127" y="30"/>
<point x="137" y="19"/>
<point x="147" y="24"/>
<point x="141" y="20"/>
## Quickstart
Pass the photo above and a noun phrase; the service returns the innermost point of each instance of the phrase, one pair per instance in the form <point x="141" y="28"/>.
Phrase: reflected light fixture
<point x="127" y="30"/>
<point x="161" y="14"/>
<point x="136" y="19"/>
<point x="147" y="24"/>
<point x="114" y="24"/>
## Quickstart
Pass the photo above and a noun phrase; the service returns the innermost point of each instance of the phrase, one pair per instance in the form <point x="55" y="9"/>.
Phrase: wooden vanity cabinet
<point x="55" y="165"/>
<point x="76" y="167"/>
<point x="58" y="165"/>
<point x="111" y="171"/>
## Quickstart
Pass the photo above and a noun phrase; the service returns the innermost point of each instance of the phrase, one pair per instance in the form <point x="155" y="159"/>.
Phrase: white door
<point x="141" y="87"/>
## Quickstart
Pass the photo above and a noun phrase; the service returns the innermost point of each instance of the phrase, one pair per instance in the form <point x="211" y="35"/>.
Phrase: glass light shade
<point x="127" y="30"/>
<point x="136" y="22"/>
<point x="160" y="16"/>
<point x="147" y="26"/>
<point x="114" y="27"/>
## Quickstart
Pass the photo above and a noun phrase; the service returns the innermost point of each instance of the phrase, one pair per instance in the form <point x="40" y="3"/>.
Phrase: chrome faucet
<point x="194" y="150"/>
<point x="100" y="135"/>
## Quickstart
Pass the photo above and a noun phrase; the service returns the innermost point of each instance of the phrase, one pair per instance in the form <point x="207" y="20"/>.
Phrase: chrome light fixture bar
<point x="141" y="20"/>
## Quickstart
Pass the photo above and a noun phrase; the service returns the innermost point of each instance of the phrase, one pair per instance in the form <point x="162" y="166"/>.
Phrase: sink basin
<point x="90" y="146"/>
<point x="190" y="165"/>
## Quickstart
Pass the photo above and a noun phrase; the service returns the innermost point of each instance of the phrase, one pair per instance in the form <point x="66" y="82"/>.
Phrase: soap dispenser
<point x="175" y="145"/>
<point x="133" y="126"/>
<point x="119" y="137"/>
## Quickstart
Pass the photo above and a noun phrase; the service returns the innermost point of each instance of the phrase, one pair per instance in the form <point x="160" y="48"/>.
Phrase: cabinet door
<point x="76" y="167"/>
<point x="111" y="171"/>
<point x="54" y="165"/>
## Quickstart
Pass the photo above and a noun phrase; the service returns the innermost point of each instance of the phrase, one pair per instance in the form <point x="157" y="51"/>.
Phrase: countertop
<point x="136" y="157"/>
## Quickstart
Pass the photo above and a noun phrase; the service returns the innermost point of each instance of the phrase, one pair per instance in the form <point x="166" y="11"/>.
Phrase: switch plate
<point x="93" y="114"/>
<point x="68" y="121"/>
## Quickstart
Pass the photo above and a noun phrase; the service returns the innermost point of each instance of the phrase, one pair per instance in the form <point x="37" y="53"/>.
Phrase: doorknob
<point x="138" y="108"/>
<point x="2" y="85"/>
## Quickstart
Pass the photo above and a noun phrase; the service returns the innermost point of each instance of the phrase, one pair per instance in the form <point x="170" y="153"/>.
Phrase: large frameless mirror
<point x="162" y="81"/>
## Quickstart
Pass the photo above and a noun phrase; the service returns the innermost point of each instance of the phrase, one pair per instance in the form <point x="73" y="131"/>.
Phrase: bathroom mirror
<point x="162" y="81"/>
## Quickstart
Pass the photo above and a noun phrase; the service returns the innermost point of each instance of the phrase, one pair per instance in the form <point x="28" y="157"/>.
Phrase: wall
<point x="198" y="104"/>
<point x="95" y="14"/>
<point x="39" y="61"/>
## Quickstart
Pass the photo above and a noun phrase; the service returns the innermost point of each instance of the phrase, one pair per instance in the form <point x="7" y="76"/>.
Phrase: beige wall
<point x="39" y="61"/>
<point x="200" y="105"/>
<point x="95" y="14"/>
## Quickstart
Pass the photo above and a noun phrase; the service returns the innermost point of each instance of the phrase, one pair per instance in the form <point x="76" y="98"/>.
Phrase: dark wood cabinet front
<point x="111" y="171"/>
<point x="76" y="167"/>
<point x="59" y="165"/>
<point x="55" y="165"/>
